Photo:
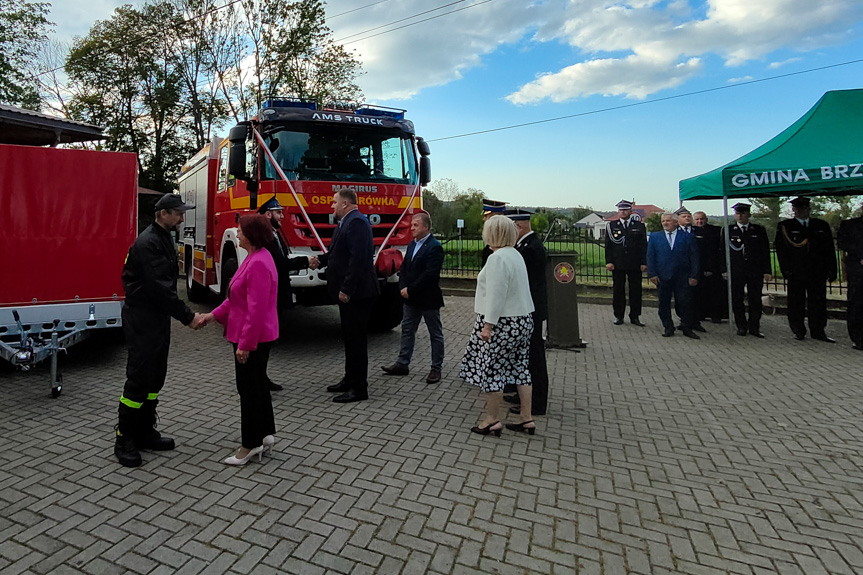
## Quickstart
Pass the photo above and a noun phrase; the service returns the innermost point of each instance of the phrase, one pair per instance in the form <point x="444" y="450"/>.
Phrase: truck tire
<point x="387" y="312"/>
<point x="229" y="268"/>
<point x="194" y="291"/>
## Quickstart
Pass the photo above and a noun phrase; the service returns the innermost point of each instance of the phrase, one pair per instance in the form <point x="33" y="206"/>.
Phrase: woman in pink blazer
<point x="252" y="325"/>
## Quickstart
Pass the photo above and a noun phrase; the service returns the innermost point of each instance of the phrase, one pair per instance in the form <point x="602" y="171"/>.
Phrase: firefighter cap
<point x="682" y="210"/>
<point x="270" y="205"/>
<point x="171" y="202"/>
<point x="518" y="214"/>
<point x="741" y="208"/>
<point x="493" y="207"/>
<point x="800" y="202"/>
<point x="624" y="205"/>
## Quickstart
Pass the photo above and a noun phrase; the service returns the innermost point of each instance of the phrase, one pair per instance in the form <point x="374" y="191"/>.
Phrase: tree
<point x="539" y="222"/>
<point x="23" y="31"/>
<point x="653" y="222"/>
<point x="284" y="48"/>
<point x="131" y="81"/>
<point x="767" y="212"/>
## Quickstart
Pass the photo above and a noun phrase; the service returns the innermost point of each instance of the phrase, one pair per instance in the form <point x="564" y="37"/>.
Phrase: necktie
<point x="670" y="241"/>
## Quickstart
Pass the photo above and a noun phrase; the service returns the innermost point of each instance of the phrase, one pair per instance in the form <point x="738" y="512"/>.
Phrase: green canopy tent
<point x="821" y="154"/>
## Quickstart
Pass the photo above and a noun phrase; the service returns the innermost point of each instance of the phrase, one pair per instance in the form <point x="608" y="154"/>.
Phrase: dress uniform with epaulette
<point x="850" y="240"/>
<point x="750" y="264"/>
<point x="626" y="257"/>
<point x="807" y="258"/>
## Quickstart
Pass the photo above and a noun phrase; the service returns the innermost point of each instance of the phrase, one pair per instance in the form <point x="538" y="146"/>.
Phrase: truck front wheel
<point x="387" y="312"/>
<point x="194" y="291"/>
<point x="229" y="268"/>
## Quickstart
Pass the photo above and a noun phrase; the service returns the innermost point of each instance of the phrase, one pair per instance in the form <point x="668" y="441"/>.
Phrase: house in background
<point x="589" y="222"/>
<point x="643" y="211"/>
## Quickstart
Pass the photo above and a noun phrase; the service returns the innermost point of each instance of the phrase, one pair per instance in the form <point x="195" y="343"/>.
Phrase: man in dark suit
<point x="750" y="268"/>
<point x="807" y="258"/>
<point x="851" y="244"/>
<point x="352" y="281"/>
<point x="278" y="248"/>
<point x="626" y="259"/>
<point x="672" y="266"/>
<point x="533" y="252"/>
<point x="709" y="295"/>
<point x="684" y="224"/>
<point x="419" y="281"/>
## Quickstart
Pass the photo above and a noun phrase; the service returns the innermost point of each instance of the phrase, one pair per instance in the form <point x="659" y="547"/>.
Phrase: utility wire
<point x="334" y="16"/>
<point x="645" y="102"/>
<point x="341" y="40"/>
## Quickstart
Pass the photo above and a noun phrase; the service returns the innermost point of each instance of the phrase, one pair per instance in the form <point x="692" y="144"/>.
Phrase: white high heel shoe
<point x="268" y="445"/>
<point x="234" y="460"/>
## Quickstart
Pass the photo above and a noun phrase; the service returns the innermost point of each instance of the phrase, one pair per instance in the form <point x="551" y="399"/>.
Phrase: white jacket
<point x="502" y="289"/>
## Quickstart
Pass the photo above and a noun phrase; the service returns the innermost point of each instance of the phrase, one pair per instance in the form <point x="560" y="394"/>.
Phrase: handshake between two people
<point x="202" y="320"/>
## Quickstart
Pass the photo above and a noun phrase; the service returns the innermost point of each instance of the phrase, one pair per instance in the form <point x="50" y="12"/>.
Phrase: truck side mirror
<point x="423" y="147"/>
<point x="425" y="170"/>
<point x="237" y="155"/>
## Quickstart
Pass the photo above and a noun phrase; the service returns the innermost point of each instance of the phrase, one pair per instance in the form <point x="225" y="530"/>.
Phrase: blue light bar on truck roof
<point x="290" y="103"/>
<point x="394" y="113"/>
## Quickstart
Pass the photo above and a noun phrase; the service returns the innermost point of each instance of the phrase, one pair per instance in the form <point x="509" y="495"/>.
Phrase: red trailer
<point x="67" y="219"/>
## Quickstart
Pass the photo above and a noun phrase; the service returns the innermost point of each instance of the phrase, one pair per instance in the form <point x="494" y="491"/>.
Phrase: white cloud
<point x="661" y="45"/>
<point x="401" y="63"/>
<point x="740" y="79"/>
<point x="777" y="65"/>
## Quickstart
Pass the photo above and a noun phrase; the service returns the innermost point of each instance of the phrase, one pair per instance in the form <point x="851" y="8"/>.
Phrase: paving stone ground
<point x="724" y="455"/>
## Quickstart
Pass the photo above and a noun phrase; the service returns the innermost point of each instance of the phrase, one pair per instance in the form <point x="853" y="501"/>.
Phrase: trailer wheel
<point x="388" y="308"/>
<point x="229" y="268"/>
<point x="194" y="291"/>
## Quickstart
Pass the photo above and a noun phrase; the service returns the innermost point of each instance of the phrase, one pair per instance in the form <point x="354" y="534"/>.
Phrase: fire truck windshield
<point x="340" y="154"/>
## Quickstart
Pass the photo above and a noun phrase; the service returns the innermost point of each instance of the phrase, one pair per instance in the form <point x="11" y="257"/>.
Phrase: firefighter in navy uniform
<point x="490" y="208"/>
<point x="626" y="258"/>
<point x="150" y="282"/>
<point x="750" y="268"/>
<point x="850" y="240"/>
<point x="807" y="258"/>
<point x="529" y="245"/>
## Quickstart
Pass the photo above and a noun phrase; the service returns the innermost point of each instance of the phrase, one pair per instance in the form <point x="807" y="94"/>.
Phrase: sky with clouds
<point x="476" y="65"/>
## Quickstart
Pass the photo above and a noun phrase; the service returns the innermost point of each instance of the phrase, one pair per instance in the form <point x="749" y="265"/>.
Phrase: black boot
<point x="147" y="436"/>
<point x="124" y="445"/>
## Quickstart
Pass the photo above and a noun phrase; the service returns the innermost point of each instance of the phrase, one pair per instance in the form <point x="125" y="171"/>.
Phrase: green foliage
<point x="653" y="222"/>
<point x="539" y="222"/>
<point x="23" y="30"/>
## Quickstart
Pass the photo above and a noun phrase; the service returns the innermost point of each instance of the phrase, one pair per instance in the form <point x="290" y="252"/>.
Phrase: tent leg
<point x="731" y="327"/>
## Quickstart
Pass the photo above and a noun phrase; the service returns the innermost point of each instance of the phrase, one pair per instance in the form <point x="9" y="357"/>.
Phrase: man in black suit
<point x="419" y="281"/>
<point x="278" y="248"/>
<point x="750" y="268"/>
<point x="807" y="258"/>
<point x="626" y="259"/>
<point x="851" y="243"/>
<point x="709" y="294"/>
<point x="533" y="252"/>
<point x="352" y="281"/>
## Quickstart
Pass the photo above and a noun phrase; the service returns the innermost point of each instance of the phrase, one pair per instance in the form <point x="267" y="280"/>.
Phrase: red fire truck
<point x="67" y="218"/>
<point x="303" y="154"/>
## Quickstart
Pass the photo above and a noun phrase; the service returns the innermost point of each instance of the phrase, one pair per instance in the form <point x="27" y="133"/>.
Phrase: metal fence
<point x="463" y="258"/>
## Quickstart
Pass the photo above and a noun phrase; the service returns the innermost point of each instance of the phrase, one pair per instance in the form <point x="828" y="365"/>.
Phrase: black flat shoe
<point x="618" y="321"/>
<point x="274" y="386"/>
<point x="350" y="397"/>
<point x="488" y="429"/>
<point x="522" y="427"/>
<point x="742" y="332"/>
<point x="757" y="334"/>
<point x="637" y="322"/>
<point x="799" y="336"/>
<point x="699" y="328"/>
<point x="690" y="334"/>
<point x="825" y="338"/>
<point x="668" y="332"/>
